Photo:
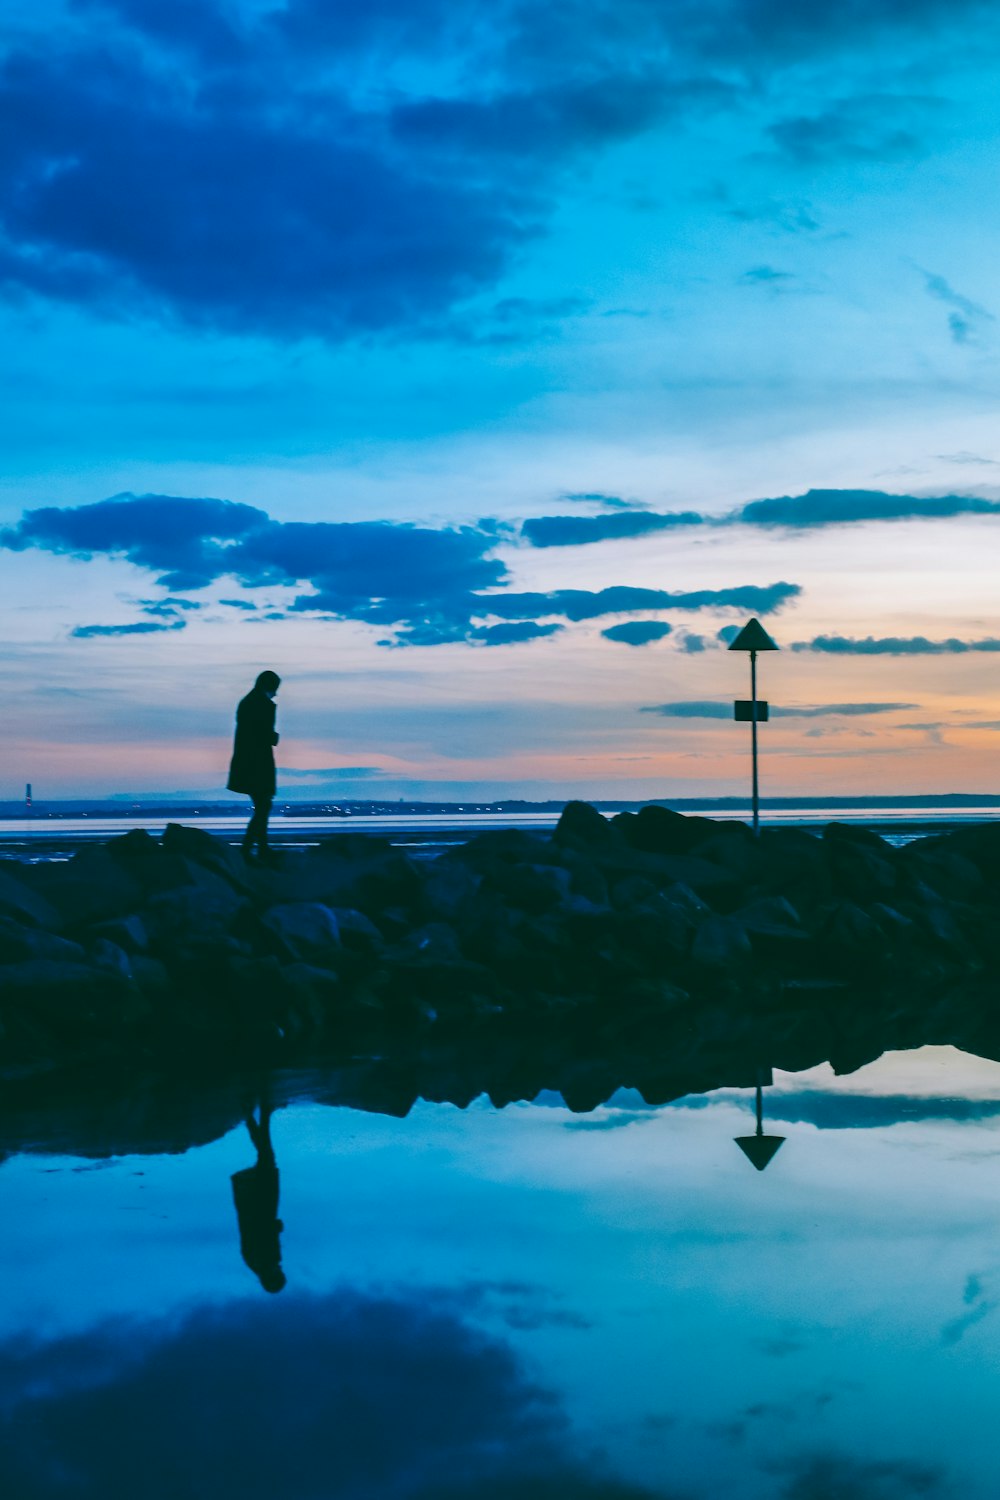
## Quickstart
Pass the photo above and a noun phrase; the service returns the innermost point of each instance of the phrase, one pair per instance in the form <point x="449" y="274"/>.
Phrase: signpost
<point x="753" y="638"/>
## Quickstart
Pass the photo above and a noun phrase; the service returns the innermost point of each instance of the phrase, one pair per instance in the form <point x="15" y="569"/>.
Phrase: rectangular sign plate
<point x="743" y="710"/>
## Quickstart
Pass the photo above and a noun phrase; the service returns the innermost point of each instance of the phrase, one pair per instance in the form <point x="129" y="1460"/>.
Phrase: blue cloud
<point x="106" y="1408"/>
<point x="579" y="531"/>
<point x="915" y="645"/>
<point x="968" y="322"/>
<point x="144" y="627"/>
<point x="841" y="507"/>
<point x="228" y="211"/>
<point x="585" y="604"/>
<point x="815" y="508"/>
<point x="432" y="585"/>
<point x="180" y="538"/>
<point x="637" y="632"/>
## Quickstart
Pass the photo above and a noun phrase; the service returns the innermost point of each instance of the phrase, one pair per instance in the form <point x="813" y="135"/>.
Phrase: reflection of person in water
<point x="255" y="1193"/>
<point x="252" y="767"/>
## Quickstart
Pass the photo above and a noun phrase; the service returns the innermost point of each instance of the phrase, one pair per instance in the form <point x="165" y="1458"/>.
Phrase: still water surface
<point x="525" y="1302"/>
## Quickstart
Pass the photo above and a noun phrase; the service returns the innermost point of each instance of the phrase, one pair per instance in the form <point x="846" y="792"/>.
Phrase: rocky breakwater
<point x="650" y="942"/>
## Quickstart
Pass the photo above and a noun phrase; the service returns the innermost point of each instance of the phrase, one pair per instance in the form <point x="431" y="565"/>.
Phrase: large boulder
<point x="19" y="941"/>
<point x="582" y="827"/>
<point x="306" y="929"/>
<point x="863" y="868"/>
<point x="20" y="902"/>
<point x="720" y="943"/>
<point x="531" y="888"/>
<point x="129" y="933"/>
<point x="660" y="830"/>
<point x="189" y="912"/>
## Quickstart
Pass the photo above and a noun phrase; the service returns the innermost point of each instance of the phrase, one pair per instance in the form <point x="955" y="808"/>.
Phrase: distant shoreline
<point x="120" y="807"/>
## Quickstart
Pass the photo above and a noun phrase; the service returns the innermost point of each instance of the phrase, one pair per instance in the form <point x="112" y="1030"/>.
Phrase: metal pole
<point x="760" y="1111"/>
<point x="753" y="740"/>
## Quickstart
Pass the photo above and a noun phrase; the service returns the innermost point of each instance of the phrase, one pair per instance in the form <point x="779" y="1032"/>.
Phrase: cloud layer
<point x="892" y="645"/>
<point x="810" y="511"/>
<point x="429" y="586"/>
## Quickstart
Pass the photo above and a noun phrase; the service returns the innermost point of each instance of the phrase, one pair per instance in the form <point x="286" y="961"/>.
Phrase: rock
<point x="75" y="1000"/>
<point x="680" y="894"/>
<point x="859" y="871"/>
<point x="202" y="848"/>
<point x="19" y="902"/>
<point x="583" y="827"/>
<point x="435" y="940"/>
<point x="18" y="942"/>
<point x="659" y="830"/>
<point x="190" y="913"/>
<point x="950" y="874"/>
<point x="306" y="928"/>
<point x="632" y="890"/>
<point x="91" y="887"/>
<point x="586" y="877"/>
<point x="448" y="887"/>
<point x="504" y="846"/>
<point x="127" y="932"/>
<point x="853" y="836"/>
<point x="851" y="939"/>
<point x="730" y="845"/>
<point x="793" y="863"/>
<point x="531" y="888"/>
<point x="151" y="976"/>
<point x="357" y="930"/>
<point x="770" y="916"/>
<point x="114" y="960"/>
<point x="720" y="942"/>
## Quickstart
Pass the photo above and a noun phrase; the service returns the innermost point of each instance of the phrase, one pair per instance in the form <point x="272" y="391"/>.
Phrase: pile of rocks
<point x="652" y="930"/>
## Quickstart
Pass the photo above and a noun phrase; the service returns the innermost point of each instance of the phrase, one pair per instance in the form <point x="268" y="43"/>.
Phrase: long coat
<point x="252" y="767"/>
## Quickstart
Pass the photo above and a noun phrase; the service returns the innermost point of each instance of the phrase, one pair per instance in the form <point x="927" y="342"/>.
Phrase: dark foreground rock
<point x="643" y="950"/>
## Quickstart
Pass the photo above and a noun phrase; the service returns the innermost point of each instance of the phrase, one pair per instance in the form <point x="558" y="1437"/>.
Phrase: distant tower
<point x="27" y="797"/>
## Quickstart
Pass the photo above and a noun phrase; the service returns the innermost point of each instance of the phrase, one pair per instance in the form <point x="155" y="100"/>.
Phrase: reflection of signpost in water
<point x="753" y="638"/>
<point x="760" y="1148"/>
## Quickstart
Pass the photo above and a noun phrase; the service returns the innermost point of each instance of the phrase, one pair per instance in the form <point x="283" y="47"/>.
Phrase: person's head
<point x="269" y="683"/>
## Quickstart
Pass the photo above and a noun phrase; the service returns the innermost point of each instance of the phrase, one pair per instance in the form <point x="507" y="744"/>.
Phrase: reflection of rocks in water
<point x="345" y="1397"/>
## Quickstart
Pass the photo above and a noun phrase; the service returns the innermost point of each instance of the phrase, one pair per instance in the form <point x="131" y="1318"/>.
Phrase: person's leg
<point x="257" y="827"/>
<point x="261" y="813"/>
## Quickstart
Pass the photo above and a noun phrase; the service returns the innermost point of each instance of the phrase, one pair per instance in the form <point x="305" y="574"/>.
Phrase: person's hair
<point x="269" y="681"/>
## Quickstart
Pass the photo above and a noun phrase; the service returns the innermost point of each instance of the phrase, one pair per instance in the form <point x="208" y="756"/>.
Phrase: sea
<point x="425" y="834"/>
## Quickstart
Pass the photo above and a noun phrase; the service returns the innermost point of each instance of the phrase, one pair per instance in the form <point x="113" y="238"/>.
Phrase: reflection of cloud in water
<point x="825" y="1111"/>
<point x="830" y="1476"/>
<point x="346" y="1397"/>
<point x="979" y="1303"/>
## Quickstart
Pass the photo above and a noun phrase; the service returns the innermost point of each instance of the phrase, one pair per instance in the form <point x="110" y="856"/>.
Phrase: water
<point x="524" y="1302"/>
<point x="57" y="837"/>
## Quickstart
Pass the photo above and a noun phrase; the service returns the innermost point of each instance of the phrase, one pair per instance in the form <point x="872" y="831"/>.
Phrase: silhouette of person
<point x="251" y="769"/>
<point x="255" y="1194"/>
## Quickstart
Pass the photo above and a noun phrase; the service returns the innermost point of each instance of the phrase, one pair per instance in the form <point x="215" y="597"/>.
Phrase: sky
<point x="479" y="368"/>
